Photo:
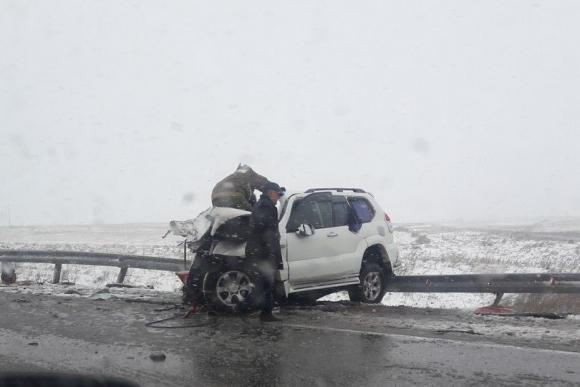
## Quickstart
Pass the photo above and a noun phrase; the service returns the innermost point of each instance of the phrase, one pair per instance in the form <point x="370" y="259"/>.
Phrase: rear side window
<point x="362" y="208"/>
<point x="341" y="211"/>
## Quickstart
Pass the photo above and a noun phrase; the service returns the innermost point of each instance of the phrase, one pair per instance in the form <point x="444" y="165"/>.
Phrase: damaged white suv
<point x="331" y="239"/>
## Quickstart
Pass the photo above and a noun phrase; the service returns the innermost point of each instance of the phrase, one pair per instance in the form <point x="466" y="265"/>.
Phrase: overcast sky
<point x="129" y="111"/>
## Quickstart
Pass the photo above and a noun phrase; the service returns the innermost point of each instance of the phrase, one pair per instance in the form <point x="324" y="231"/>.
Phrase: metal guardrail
<point x="458" y="283"/>
<point x="499" y="284"/>
<point x="488" y="283"/>
<point x="123" y="261"/>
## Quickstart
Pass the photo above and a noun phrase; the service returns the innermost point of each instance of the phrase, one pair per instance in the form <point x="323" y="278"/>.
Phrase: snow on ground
<point x="424" y="249"/>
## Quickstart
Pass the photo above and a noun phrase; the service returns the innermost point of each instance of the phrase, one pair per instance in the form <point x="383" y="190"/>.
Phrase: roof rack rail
<point x="338" y="189"/>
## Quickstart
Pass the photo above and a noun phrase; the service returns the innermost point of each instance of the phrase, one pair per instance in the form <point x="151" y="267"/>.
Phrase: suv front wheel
<point x="372" y="285"/>
<point x="233" y="289"/>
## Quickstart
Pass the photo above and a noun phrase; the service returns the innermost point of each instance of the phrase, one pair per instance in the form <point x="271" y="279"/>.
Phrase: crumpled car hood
<point x="207" y="221"/>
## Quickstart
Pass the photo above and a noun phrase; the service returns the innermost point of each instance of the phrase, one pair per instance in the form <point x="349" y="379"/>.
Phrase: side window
<point x="297" y="216"/>
<point x="341" y="211"/>
<point x="362" y="208"/>
<point x="317" y="213"/>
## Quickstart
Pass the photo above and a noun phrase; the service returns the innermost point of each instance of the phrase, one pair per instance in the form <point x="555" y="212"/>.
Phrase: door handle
<point x="332" y="234"/>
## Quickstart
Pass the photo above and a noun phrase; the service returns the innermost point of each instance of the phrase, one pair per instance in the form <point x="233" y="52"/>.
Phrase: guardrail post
<point x="56" y="274"/>
<point x="122" y="274"/>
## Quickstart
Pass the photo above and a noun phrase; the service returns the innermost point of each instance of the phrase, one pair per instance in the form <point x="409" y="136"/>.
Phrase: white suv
<point x="331" y="239"/>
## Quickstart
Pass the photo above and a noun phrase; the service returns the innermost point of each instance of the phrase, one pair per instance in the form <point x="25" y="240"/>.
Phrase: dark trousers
<point x="268" y="282"/>
<point x="194" y="291"/>
<point x="266" y="274"/>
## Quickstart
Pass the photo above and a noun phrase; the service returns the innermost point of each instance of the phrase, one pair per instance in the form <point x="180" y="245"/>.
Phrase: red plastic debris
<point x="183" y="276"/>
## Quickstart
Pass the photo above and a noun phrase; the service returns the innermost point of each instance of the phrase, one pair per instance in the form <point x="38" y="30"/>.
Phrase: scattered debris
<point x="176" y="306"/>
<point x="493" y="310"/>
<point x="101" y="297"/>
<point x="103" y="294"/>
<point x="468" y="331"/>
<point x="550" y="316"/>
<point x="509" y="312"/>
<point x="157" y="356"/>
<point x="118" y="285"/>
<point x="28" y="283"/>
<point x="148" y="301"/>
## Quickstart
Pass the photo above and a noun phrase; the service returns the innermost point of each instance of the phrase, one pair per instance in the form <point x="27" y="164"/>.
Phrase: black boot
<point x="269" y="317"/>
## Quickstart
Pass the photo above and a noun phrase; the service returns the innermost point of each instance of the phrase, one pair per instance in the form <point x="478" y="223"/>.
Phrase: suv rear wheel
<point x="372" y="285"/>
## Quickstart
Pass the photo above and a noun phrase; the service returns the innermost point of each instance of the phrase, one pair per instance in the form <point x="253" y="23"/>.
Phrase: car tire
<point x="372" y="285"/>
<point x="233" y="290"/>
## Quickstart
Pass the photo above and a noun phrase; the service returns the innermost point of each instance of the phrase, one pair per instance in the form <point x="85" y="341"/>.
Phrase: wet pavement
<point x="328" y="344"/>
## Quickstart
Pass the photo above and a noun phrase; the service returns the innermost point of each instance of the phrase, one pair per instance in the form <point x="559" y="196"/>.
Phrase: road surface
<point x="328" y="344"/>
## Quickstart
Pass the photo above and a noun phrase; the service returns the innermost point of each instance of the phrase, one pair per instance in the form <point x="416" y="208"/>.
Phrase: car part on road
<point x="181" y="316"/>
<point x="509" y="312"/>
<point x="155" y="324"/>
<point x="468" y="331"/>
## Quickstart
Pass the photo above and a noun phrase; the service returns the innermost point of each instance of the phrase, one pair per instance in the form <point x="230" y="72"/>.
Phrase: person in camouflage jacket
<point x="237" y="189"/>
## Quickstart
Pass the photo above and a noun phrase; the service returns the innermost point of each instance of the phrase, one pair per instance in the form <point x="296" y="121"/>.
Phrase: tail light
<point x="183" y="276"/>
<point x="388" y="222"/>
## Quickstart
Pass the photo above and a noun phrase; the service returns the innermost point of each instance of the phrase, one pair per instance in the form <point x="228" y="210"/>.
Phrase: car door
<point x="306" y="255"/>
<point x="327" y="254"/>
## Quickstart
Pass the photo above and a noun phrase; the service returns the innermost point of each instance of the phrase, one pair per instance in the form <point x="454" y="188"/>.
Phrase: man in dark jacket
<point x="234" y="191"/>
<point x="263" y="246"/>
<point x="237" y="189"/>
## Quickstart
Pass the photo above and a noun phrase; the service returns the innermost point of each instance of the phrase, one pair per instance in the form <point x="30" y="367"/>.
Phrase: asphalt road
<point x="329" y="344"/>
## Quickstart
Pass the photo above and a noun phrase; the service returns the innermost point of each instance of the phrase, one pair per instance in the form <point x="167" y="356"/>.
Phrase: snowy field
<point x="425" y="249"/>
